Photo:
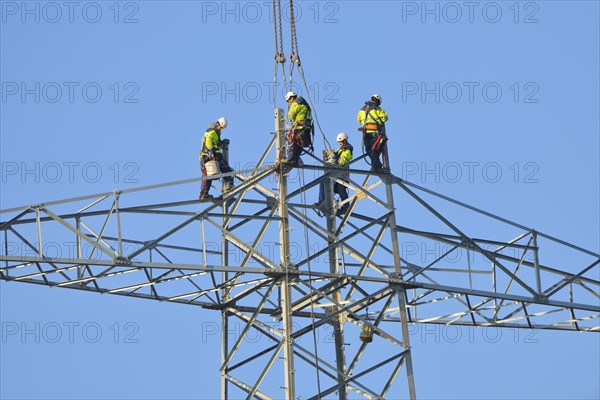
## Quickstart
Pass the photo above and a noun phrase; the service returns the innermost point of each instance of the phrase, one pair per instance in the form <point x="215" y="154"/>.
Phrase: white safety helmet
<point x="341" y="137"/>
<point x="289" y="95"/>
<point x="222" y="122"/>
<point x="377" y="97"/>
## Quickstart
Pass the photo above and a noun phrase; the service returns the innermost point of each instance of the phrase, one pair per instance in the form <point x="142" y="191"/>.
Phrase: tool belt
<point x="372" y="127"/>
<point x="300" y="134"/>
<point x="304" y="124"/>
<point x="379" y="143"/>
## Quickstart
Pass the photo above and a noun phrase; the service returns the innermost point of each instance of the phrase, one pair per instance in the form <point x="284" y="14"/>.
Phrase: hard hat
<point x="289" y="95"/>
<point x="377" y="97"/>
<point x="341" y="137"/>
<point x="223" y="122"/>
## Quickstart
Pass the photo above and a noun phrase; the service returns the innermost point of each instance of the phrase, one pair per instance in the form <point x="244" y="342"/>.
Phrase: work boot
<point x="205" y="197"/>
<point x="341" y="211"/>
<point x="227" y="187"/>
<point x="320" y="205"/>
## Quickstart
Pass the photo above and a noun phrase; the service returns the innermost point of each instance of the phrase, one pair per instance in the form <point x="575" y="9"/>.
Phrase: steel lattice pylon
<point x="260" y="255"/>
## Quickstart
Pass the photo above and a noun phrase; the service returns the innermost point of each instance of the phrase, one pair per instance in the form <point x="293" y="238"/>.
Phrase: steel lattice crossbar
<point x="290" y="271"/>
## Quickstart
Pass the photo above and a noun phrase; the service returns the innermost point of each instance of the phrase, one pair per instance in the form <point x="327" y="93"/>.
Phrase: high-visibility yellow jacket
<point x="372" y="118"/>
<point x="211" y="141"/>
<point x="300" y="112"/>
<point x="343" y="155"/>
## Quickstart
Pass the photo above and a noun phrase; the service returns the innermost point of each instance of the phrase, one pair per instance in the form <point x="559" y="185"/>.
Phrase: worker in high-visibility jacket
<point x="212" y="150"/>
<point x="341" y="157"/>
<point x="299" y="136"/>
<point x="372" y="119"/>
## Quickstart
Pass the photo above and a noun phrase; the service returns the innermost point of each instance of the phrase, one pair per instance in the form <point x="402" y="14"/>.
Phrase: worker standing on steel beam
<point x="372" y="119"/>
<point x="212" y="161"/>
<point x="300" y="134"/>
<point x="340" y="157"/>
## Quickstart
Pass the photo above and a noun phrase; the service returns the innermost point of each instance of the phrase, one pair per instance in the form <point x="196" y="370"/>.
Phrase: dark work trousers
<point x="338" y="188"/>
<point x="207" y="182"/>
<point x="369" y="139"/>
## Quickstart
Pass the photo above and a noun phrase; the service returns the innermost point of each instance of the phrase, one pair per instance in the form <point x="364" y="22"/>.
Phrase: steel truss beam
<point x="261" y="255"/>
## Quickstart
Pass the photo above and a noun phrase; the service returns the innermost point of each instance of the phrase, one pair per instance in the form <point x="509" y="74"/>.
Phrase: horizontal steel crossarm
<point x="8" y="224"/>
<point x="512" y="316"/>
<point x="165" y="246"/>
<point x="80" y="234"/>
<point x="453" y="238"/>
<point x="31" y="246"/>
<point x="230" y="284"/>
<point x="554" y="289"/>
<point x="155" y="209"/>
<point x="199" y="215"/>
<point x="151" y="209"/>
<point x="400" y="181"/>
<point x="109" y="263"/>
<point x="45" y="273"/>
<point x="134" y="295"/>
<point x="437" y="260"/>
<point x="158" y="281"/>
<point x="518" y="298"/>
<point x="466" y="238"/>
<point x="331" y="167"/>
<point x="442" y="239"/>
<point x="270" y="272"/>
<point x="138" y="189"/>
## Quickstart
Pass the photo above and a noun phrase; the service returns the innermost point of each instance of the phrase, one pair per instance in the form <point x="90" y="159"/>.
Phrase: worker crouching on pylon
<point x="372" y="119"/>
<point x="340" y="157"/>
<point x="212" y="161"/>
<point x="300" y="134"/>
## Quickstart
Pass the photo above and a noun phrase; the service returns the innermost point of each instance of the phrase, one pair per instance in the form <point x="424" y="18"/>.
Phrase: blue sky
<point x="493" y="103"/>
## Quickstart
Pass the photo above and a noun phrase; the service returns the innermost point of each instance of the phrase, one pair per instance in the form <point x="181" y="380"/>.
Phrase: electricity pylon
<point x="310" y="284"/>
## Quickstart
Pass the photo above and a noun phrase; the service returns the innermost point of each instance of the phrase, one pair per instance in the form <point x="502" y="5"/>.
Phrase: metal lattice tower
<point x="300" y="273"/>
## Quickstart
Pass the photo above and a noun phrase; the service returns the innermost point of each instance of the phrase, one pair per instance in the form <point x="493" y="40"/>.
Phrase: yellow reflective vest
<point x="372" y="118"/>
<point x="211" y="141"/>
<point x="300" y="112"/>
<point x="343" y="155"/>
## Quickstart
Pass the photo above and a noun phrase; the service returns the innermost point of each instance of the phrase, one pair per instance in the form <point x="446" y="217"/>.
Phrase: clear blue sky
<point x="493" y="103"/>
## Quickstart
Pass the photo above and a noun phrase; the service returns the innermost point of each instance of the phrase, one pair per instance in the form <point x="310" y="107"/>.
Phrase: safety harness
<point x="378" y="127"/>
<point x="302" y="132"/>
<point x="206" y="152"/>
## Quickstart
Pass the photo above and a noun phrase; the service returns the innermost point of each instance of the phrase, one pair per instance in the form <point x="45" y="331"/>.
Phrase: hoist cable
<point x="295" y="59"/>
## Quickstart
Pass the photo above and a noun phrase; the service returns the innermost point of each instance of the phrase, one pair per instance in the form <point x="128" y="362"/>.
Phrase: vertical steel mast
<point x="334" y="268"/>
<point x="284" y="258"/>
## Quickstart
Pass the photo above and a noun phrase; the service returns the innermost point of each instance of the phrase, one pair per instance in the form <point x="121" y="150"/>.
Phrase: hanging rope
<point x="279" y="53"/>
<point x="295" y="60"/>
